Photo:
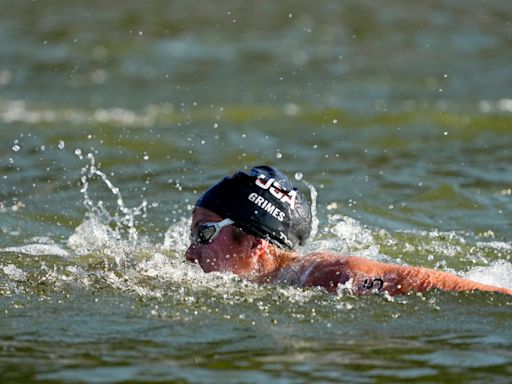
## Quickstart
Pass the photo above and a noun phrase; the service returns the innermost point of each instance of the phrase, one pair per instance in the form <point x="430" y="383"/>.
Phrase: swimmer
<point x="251" y="225"/>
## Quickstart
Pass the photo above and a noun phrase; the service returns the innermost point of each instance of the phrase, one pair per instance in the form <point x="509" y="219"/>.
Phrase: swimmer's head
<point x="263" y="203"/>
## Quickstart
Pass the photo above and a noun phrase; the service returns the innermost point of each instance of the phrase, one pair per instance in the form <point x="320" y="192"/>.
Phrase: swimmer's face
<point x="228" y="252"/>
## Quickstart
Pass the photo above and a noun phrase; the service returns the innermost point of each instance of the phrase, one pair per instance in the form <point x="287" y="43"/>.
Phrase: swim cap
<point x="263" y="203"/>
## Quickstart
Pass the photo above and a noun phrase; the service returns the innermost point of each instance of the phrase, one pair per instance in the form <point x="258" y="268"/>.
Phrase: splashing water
<point x="497" y="273"/>
<point x="127" y="216"/>
<point x="177" y="235"/>
<point x="112" y="300"/>
<point x="151" y="286"/>
<point x="103" y="232"/>
<point x="314" y="218"/>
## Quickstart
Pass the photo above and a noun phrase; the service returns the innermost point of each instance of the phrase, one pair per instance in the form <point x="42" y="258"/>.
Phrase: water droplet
<point x="78" y="152"/>
<point x="334" y="121"/>
<point x="279" y="155"/>
<point x="299" y="176"/>
<point x="332" y="206"/>
<point x="61" y="144"/>
<point x="16" y="148"/>
<point x="146" y="157"/>
<point x="215" y="125"/>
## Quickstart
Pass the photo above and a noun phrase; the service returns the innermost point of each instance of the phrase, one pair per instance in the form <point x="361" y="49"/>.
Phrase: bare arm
<point x="363" y="276"/>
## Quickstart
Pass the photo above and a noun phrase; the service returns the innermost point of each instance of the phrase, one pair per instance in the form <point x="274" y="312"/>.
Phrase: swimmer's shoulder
<point x="325" y="269"/>
<point x="314" y="269"/>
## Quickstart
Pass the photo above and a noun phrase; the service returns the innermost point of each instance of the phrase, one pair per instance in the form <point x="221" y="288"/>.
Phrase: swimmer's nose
<point x="190" y="254"/>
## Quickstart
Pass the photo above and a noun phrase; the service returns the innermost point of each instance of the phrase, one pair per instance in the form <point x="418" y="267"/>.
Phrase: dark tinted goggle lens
<point x="207" y="232"/>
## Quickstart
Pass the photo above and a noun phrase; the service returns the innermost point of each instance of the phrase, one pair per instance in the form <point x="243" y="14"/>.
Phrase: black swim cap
<point x="263" y="203"/>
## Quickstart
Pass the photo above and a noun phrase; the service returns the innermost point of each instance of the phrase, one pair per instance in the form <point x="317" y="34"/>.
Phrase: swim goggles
<point x="207" y="232"/>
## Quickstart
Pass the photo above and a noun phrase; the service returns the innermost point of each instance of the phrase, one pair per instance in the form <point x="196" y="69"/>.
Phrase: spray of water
<point x="124" y="217"/>
<point x="110" y="234"/>
<point x="154" y="270"/>
<point x="314" y="194"/>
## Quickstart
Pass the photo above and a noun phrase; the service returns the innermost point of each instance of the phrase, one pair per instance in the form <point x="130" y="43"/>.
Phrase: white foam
<point x="497" y="273"/>
<point x="501" y="105"/>
<point x="351" y="235"/>
<point x="91" y="236"/>
<point x="497" y="245"/>
<point x="12" y="111"/>
<point x="177" y="235"/>
<point x="14" y="272"/>
<point x="175" y="270"/>
<point x="38" y="250"/>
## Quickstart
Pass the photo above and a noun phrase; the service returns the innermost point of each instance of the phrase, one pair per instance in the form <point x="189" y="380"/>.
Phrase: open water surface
<point x="114" y="116"/>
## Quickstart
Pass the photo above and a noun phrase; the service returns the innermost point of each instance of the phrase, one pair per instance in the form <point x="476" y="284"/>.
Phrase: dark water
<point x="113" y="117"/>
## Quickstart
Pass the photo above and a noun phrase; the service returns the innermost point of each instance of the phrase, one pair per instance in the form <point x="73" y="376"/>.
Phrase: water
<point x="114" y="117"/>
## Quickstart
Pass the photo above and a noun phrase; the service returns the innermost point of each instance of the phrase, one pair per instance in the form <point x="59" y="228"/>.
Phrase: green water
<point x="399" y="114"/>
